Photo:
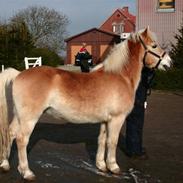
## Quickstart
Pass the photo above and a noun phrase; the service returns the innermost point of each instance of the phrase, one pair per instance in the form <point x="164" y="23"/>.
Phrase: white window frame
<point x="118" y="30"/>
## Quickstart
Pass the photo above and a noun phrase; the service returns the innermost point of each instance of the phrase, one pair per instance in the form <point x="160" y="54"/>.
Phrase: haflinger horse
<point x="104" y="96"/>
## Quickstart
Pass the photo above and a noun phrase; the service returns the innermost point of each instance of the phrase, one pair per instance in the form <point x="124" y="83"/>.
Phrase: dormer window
<point x="118" y="28"/>
<point x="166" y="6"/>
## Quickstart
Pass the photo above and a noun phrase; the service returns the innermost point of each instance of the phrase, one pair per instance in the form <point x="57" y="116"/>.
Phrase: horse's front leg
<point x="113" y="127"/>
<point x="100" y="161"/>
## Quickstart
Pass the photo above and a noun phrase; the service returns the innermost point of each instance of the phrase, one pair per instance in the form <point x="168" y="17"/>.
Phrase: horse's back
<point x="39" y="85"/>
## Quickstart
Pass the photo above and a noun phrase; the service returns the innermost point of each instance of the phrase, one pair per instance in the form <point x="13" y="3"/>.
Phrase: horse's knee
<point x="101" y="141"/>
<point x="111" y="143"/>
<point x="21" y="140"/>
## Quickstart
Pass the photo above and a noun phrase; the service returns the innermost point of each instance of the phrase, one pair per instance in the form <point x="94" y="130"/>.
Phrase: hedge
<point x="48" y="57"/>
<point x="171" y="80"/>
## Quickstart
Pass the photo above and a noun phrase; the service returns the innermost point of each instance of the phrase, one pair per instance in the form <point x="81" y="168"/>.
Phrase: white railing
<point x="32" y="61"/>
<point x="2" y="68"/>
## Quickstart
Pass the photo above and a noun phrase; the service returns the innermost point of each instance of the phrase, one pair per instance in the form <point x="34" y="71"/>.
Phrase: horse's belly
<point x="75" y="116"/>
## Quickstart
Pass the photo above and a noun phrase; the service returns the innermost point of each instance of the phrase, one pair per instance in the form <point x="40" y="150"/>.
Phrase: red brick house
<point x="98" y="44"/>
<point x="121" y="22"/>
<point x="100" y="40"/>
<point x="163" y="16"/>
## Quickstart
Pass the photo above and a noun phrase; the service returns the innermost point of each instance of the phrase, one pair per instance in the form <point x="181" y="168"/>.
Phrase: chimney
<point x="125" y="8"/>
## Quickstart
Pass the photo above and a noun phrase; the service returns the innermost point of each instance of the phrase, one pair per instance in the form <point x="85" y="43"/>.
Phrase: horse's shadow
<point x="66" y="134"/>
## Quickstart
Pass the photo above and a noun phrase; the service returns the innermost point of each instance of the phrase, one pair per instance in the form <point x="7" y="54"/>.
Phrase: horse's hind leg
<point x="22" y="139"/>
<point x="100" y="157"/>
<point x="13" y="129"/>
<point x="113" y="127"/>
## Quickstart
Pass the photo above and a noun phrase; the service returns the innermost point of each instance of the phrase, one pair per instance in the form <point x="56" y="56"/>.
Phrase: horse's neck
<point x="133" y="68"/>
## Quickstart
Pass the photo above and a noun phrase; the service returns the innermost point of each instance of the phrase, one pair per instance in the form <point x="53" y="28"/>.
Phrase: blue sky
<point x="83" y="14"/>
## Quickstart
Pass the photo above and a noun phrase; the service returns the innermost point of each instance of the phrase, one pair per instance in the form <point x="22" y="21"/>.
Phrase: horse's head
<point x="154" y="56"/>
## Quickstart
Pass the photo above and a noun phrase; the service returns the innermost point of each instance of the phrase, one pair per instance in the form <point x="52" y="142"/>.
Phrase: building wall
<point x="117" y="17"/>
<point x="164" y="24"/>
<point x="97" y="43"/>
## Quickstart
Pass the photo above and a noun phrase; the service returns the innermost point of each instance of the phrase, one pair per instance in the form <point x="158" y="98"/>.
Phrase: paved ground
<point x="65" y="153"/>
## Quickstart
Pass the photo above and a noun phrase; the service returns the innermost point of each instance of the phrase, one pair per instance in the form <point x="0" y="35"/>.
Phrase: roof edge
<point x="89" y="30"/>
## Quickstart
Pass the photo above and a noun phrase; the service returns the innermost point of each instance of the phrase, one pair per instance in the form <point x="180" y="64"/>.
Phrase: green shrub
<point x="15" y="44"/>
<point x="170" y="80"/>
<point x="48" y="57"/>
<point x="177" y="49"/>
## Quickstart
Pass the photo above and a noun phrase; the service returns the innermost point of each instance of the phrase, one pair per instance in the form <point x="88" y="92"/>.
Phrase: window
<point x="118" y="28"/>
<point x="166" y="5"/>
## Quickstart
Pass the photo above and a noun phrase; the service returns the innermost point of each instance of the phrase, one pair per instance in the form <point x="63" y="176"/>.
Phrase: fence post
<point x="2" y="68"/>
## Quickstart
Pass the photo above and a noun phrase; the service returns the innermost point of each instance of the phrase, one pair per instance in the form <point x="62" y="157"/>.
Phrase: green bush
<point x="15" y="44"/>
<point x="48" y="57"/>
<point x="170" y="80"/>
<point x="177" y="49"/>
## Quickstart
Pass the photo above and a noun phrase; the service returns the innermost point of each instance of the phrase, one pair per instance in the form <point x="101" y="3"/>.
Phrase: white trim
<point x="169" y="10"/>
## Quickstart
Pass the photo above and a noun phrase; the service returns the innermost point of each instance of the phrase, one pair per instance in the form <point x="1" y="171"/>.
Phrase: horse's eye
<point x="154" y="46"/>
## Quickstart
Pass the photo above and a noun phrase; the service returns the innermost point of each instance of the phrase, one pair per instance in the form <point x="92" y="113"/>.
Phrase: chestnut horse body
<point x="104" y="96"/>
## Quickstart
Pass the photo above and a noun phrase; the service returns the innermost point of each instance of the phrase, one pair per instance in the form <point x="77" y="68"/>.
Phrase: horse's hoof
<point x="30" y="177"/>
<point x="5" y="167"/>
<point x="27" y="175"/>
<point x="102" y="167"/>
<point x="116" y="171"/>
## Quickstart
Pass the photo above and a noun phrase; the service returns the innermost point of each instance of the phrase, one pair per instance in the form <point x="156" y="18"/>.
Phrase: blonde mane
<point x="119" y="54"/>
<point x="117" y="57"/>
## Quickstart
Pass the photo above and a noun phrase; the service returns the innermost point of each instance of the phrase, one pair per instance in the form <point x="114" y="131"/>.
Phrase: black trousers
<point x="85" y="65"/>
<point x="135" y="123"/>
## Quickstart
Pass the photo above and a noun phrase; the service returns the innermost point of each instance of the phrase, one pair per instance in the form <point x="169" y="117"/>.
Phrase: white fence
<point x="32" y="62"/>
<point x="29" y="62"/>
<point x="2" y="68"/>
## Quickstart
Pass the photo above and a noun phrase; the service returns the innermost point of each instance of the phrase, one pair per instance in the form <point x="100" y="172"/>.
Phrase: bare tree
<point x="47" y="26"/>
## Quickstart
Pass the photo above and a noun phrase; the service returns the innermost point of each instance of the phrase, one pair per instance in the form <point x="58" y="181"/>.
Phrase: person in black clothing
<point x="135" y="120"/>
<point x="84" y="62"/>
<point x="83" y="57"/>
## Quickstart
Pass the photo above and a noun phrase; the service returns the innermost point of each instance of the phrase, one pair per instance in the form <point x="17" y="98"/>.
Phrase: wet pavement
<point x="66" y="153"/>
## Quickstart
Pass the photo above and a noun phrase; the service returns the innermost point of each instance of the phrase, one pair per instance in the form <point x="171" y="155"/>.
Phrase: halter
<point x="151" y="52"/>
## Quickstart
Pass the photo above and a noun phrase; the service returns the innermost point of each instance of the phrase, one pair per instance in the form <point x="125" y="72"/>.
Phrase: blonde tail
<point x="6" y="78"/>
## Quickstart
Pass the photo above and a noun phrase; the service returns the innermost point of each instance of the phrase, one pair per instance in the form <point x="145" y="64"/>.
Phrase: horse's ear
<point x="146" y="31"/>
